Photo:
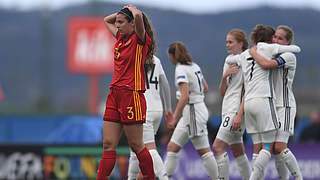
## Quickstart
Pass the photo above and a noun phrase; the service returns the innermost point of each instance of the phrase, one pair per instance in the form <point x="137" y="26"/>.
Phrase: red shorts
<point x="125" y="106"/>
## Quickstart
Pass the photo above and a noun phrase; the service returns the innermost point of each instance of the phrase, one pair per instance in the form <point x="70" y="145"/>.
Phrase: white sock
<point x="260" y="164"/>
<point x="223" y="166"/>
<point x="243" y="166"/>
<point x="133" y="170"/>
<point x="210" y="164"/>
<point x="158" y="165"/>
<point x="292" y="164"/>
<point x="171" y="163"/>
<point x="254" y="157"/>
<point x="282" y="170"/>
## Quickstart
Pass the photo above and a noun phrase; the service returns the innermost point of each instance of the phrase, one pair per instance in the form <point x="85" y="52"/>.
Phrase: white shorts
<point x="264" y="137"/>
<point x="151" y="126"/>
<point x="192" y="125"/>
<point x="260" y="115"/>
<point x="286" y="117"/>
<point x="226" y="134"/>
<point x="282" y="136"/>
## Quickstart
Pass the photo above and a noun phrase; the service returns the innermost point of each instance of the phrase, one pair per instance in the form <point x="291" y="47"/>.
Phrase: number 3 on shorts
<point x="130" y="113"/>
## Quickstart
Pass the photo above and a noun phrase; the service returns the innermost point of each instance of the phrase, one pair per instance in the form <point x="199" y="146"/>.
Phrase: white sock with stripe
<point x="171" y="163"/>
<point x="210" y="164"/>
<point x="243" y="166"/>
<point x="282" y="169"/>
<point x="133" y="170"/>
<point x="158" y="165"/>
<point x="292" y="164"/>
<point x="260" y="164"/>
<point x="223" y="166"/>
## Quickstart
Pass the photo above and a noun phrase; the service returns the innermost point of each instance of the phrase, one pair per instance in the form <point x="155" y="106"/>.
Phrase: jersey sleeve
<point x="165" y="92"/>
<point x="225" y="66"/>
<point x="233" y="59"/>
<point x="180" y="75"/>
<point x="161" y="71"/>
<point x="278" y="49"/>
<point x="289" y="60"/>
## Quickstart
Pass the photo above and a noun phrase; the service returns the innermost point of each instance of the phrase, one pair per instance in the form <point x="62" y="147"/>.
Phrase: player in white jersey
<point x="193" y="124"/>
<point x="232" y="126"/>
<point x="262" y="122"/>
<point x="284" y="67"/>
<point x="157" y="93"/>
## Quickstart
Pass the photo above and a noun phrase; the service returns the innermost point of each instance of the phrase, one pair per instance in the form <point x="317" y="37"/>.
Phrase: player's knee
<point x="237" y="150"/>
<point x="108" y="145"/>
<point x="277" y="149"/>
<point x="172" y="147"/>
<point x="218" y="148"/>
<point x="136" y="146"/>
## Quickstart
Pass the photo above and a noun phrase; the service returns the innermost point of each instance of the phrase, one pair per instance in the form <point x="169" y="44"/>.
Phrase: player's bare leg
<point x="134" y="135"/>
<point x="111" y="136"/>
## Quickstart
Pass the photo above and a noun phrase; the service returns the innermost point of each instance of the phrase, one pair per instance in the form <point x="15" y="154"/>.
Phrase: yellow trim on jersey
<point x="137" y="106"/>
<point x="137" y="66"/>
<point x="139" y="110"/>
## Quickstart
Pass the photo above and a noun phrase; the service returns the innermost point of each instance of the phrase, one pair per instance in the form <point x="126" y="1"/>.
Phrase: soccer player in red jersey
<point x="126" y="104"/>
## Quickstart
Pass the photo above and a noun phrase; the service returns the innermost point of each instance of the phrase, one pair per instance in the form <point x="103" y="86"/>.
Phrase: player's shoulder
<point x="195" y="65"/>
<point x="262" y="46"/>
<point x="183" y="67"/>
<point x="156" y="60"/>
<point x="288" y="56"/>
<point x="245" y="54"/>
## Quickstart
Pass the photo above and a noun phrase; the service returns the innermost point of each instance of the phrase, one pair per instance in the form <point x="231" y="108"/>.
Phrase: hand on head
<point x="130" y="7"/>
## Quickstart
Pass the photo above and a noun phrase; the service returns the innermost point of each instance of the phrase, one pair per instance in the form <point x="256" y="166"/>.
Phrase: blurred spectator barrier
<point x="56" y="162"/>
<point x="50" y="129"/>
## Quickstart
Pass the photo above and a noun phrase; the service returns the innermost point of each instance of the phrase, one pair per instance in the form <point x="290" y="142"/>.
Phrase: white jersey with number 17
<point x="192" y="75"/>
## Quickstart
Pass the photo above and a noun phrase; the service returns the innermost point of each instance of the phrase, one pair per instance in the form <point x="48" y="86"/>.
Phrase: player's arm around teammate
<point x="126" y="106"/>
<point x="231" y="129"/>
<point x="284" y="69"/>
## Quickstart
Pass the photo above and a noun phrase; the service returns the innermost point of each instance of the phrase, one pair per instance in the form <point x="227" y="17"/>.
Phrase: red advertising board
<point x="90" y="46"/>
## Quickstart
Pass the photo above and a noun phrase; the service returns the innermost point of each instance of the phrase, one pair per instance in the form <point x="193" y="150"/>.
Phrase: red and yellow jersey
<point x="129" y="59"/>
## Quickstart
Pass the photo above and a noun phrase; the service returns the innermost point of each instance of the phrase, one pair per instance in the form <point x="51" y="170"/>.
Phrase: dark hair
<point x="127" y="13"/>
<point x="262" y="34"/>
<point x="240" y="36"/>
<point x="153" y="47"/>
<point x="180" y="53"/>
